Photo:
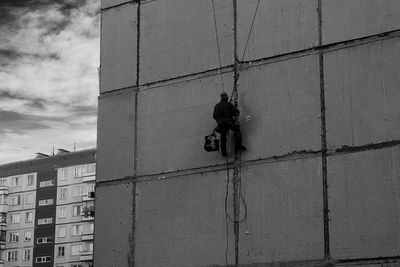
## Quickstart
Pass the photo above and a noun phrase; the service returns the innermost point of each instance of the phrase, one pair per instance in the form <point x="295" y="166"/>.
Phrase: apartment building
<point x="47" y="210"/>
<point x="75" y="216"/>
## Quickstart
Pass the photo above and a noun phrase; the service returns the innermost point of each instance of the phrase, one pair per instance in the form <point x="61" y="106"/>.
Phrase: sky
<point x="49" y="59"/>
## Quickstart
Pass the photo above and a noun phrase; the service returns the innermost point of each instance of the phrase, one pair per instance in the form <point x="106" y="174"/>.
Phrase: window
<point x="3" y="234"/>
<point x="61" y="231"/>
<point x="31" y="180"/>
<point x="62" y="212"/>
<point x="89" y="228"/>
<point x="63" y="174"/>
<point x="14" y="237"/>
<point x="15" y="217"/>
<point x="61" y="251"/>
<point x="28" y="235"/>
<point x="91" y="188"/>
<point x="3" y="182"/>
<point x="29" y="198"/>
<point x="80" y="171"/>
<point x="76" y="249"/>
<point x="46" y="183"/>
<point x="43" y="259"/>
<point x="45" y="221"/>
<point x="63" y="193"/>
<point x="15" y="200"/>
<point x="76" y="265"/>
<point x="76" y="210"/>
<point x="77" y="229"/>
<point x="3" y="217"/>
<point x="27" y="254"/>
<point x="77" y="191"/>
<point x="46" y="202"/>
<point x="15" y="181"/>
<point x="44" y="240"/>
<point x="28" y="216"/>
<point x="3" y="199"/>
<point x="12" y="255"/>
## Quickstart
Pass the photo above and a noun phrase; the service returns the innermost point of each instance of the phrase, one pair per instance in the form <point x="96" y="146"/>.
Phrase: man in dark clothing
<point x="225" y="113"/>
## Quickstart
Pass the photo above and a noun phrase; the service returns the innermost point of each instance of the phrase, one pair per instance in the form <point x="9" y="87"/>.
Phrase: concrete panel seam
<point x="323" y="138"/>
<point x="308" y="263"/>
<point x="132" y="243"/>
<point x="121" y="90"/>
<point x="260" y="161"/>
<point x="120" y="4"/>
<point x="367" y="261"/>
<point x="296" y="155"/>
<point x="353" y="149"/>
<point x="188" y="77"/>
<point x="212" y="168"/>
<point x="265" y="61"/>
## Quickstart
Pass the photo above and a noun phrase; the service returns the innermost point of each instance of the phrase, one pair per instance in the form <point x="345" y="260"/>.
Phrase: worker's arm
<point x="216" y="114"/>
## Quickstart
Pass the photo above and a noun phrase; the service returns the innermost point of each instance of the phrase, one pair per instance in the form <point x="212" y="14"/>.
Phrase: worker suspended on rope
<point x="225" y="114"/>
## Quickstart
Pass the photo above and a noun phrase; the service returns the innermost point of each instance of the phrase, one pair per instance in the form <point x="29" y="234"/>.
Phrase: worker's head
<point x="224" y="96"/>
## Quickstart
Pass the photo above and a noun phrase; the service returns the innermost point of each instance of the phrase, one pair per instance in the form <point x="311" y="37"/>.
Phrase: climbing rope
<point x="237" y="183"/>
<point x="218" y="47"/>
<point x="251" y="29"/>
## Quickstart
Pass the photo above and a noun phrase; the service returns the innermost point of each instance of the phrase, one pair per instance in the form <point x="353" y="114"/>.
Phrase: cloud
<point x="49" y="55"/>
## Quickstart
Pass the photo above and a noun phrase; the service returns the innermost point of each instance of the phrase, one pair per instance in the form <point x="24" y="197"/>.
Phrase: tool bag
<point x="211" y="142"/>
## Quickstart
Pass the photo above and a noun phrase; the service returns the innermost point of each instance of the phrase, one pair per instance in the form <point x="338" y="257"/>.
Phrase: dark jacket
<point x="224" y="112"/>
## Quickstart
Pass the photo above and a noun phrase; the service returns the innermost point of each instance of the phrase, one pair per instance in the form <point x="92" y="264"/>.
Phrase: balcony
<point x="86" y="255"/>
<point x="87" y="236"/>
<point x="88" y="213"/>
<point x="89" y="196"/>
<point x="3" y="190"/>
<point x="89" y="178"/>
<point x="3" y="207"/>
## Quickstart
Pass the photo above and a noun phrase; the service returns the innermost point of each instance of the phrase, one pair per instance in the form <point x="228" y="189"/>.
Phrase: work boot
<point x="223" y="152"/>
<point x="240" y="148"/>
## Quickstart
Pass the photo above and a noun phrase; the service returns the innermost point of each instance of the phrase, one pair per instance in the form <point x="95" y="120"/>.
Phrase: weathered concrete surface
<point x="281" y="26"/>
<point x="346" y="20"/>
<point x="362" y="94"/>
<point x="282" y="100"/>
<point x="284" y="220"/>
<point x="114" y="221"/>
<point x="364" y="204"/>
<point x="185" y="224"/>
<point x="115" y="142"/>
<point x="180" y="221"/>
<point x="173" y="120"/>
<point x="111" y="3"/>
<point x="178" y="38"/>
<point x="118" y="62"/>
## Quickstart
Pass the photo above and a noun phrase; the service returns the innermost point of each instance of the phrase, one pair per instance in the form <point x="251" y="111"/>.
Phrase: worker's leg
<point x="224" y="132"/>
<point x="238" y="137"/>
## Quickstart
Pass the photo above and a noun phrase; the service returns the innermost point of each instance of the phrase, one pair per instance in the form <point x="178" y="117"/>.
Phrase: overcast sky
<point x="49" y="55"/>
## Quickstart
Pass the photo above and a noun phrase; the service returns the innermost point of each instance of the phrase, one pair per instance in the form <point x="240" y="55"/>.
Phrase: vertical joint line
<point x="323" y="137"/>
<point x="132" y="258"/>
<point x="137" y="86"/>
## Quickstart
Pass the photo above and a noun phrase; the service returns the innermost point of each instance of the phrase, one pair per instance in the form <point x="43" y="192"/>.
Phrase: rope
<point x="218" y="47"/>
<point x="251" y="29"/>
<point x="226" y="212"/>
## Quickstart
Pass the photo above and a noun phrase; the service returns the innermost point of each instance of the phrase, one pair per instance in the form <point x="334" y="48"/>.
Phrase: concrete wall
<point x="314" y="71"/>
